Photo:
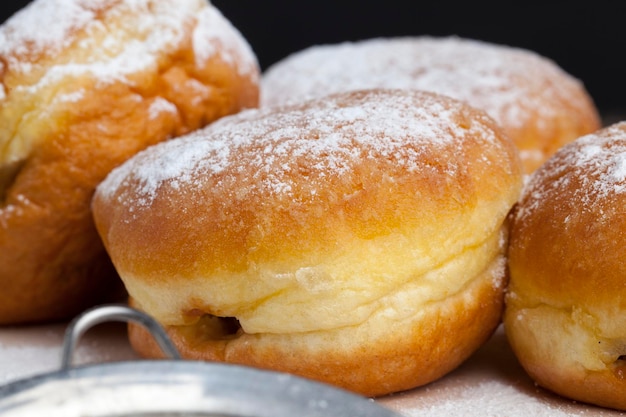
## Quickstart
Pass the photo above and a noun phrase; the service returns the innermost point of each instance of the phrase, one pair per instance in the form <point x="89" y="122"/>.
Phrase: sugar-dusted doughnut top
<point x="537" y="103"/>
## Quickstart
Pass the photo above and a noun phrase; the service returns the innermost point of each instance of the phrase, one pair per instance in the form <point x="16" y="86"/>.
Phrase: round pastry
<point x="357" y="239"/>
<point x="565" y="307"/>
<point x="85" y="85"/>
<point x="538" y="105"/>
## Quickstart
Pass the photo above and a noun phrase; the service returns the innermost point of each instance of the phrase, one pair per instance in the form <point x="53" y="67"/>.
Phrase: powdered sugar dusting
<point x="596" y="162"/>
<point x="618" y="173"/>
<point x="333" y="135"/>
<point x="509" y="83"/>
<point x="124" y="36"/>
<point x="213" y="29"/>
<point x="23" y="34"/>
<point x="157" y="29"/>
<point x="489" y="399"/>
<point x="160" y="105"/>
<point x="174" y="165"/>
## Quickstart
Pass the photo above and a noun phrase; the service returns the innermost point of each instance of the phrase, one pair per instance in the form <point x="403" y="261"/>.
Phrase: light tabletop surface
<point x="490" y="383"/>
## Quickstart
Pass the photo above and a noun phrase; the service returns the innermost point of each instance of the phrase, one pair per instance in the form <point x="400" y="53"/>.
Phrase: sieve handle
<point x="112" y="312"/>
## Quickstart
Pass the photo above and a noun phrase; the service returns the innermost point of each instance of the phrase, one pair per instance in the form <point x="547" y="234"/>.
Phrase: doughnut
<point x="356" y="239"/>
<point x="537" y="104"/>
<point x="85" y="84"/>
<point x="566" y="300"/>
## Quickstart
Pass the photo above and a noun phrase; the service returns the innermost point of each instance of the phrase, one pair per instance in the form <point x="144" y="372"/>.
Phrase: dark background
<point x="587" y="39"/>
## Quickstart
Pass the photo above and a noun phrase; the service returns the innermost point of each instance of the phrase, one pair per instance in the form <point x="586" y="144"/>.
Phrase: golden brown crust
<point x="75" y="107"/>
<point x="539" y="105"/>
<point x="565" y="303"/>
<point x="357" y="239"/>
